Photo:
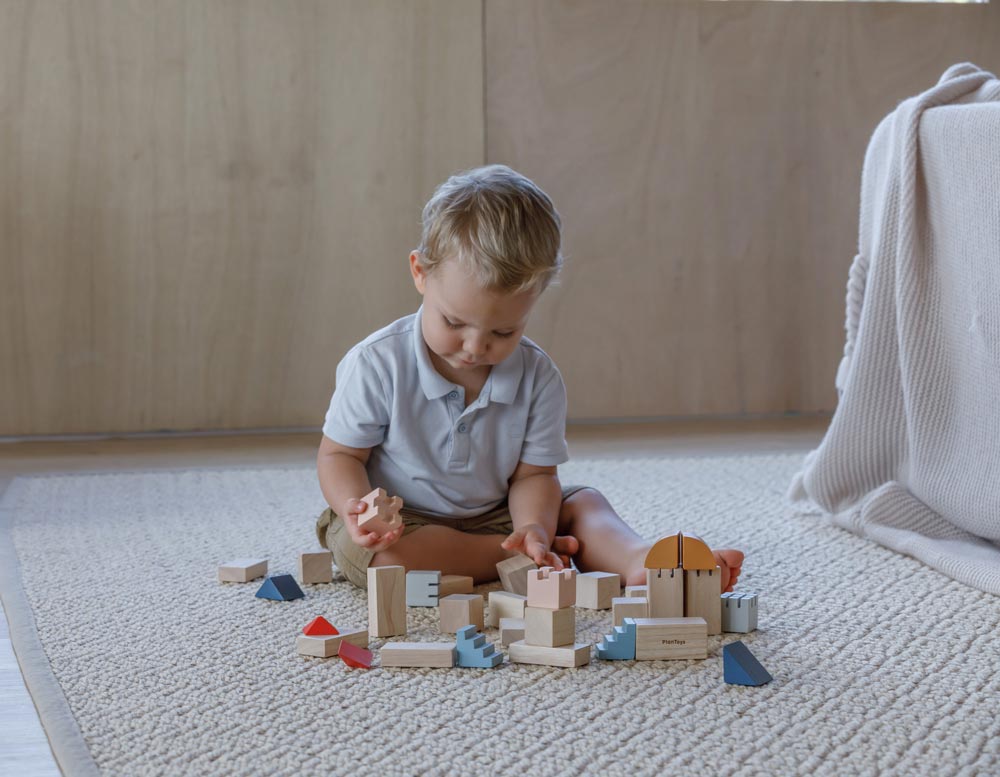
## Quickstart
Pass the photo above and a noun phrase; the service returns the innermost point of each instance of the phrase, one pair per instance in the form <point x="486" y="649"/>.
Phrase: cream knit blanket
<point x="912" y="456"/>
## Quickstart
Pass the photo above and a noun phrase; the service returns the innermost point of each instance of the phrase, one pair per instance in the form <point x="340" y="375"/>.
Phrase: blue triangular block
<point x="740" y="667"/>
<point x="281" y="588"/>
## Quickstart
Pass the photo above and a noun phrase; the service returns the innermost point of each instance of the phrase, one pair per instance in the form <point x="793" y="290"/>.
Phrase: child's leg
<point x="449" y="550"/>
<point x="608" y="544"/>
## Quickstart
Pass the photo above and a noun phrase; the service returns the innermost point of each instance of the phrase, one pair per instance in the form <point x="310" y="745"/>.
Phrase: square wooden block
<point x="550" y="589"/>
<point x="513" y="573"/>
<point x="636" y="590"/>
<point x="623" y="607"/>
<point x="458" y="610"/>
<point x="511" y="630"/>
<point x="316" y="567"/>
<point x="595" y="590"/>
<point x="549" y="628"/>
<point x="504" y="604"/>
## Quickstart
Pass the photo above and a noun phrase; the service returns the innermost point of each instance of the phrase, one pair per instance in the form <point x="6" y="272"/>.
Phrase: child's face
<point x="465" y="326"/>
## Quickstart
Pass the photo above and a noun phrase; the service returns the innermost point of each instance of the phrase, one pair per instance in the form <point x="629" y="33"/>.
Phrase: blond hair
<point x="498" y="224"/>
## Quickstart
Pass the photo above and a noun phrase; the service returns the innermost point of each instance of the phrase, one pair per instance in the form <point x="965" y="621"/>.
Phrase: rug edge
<point x="64" y="736"/>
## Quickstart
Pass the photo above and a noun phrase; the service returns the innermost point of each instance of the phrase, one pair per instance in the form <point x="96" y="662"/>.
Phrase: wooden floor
<point x="23" y="747"/>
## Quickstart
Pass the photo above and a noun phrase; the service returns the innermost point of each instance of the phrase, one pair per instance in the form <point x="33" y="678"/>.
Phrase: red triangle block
<point x="320" y="627"/>
<point x="355" y="656"/>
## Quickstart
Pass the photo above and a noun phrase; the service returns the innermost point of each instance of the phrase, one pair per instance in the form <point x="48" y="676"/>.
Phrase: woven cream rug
<point x="142" y="664"/>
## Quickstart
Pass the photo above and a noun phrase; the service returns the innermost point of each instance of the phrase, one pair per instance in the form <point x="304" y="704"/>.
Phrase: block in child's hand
<point x="382" y="515"/>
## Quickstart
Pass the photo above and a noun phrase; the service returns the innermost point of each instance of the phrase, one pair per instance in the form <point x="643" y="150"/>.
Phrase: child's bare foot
<point x="730" y="561"/>
<point x="565" y="547"/>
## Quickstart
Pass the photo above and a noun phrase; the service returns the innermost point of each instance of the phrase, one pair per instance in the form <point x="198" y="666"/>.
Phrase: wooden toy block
<point x="623" y="607"/>
<point x="382" y="515"/>
<point x="620" y="645"/>
<point x="637" y="590"/>
<point x="474" y="651"/>
<point x="513" y="573"/>
<point x="387" y="601"/>
<point x="665" y="593"/>
<point x="280" y="588"/>
<point x="504" y="604"/>
<point x="665" y="553"/>
<point x="701" y="597"/>
<point x="550" y="589"/>
<point x="326" y="646"/>
<point x="741" y="667"/>
<point x="549" y="628"/>
<point x="511" y="630"/>
<point x="352" y="655"/>
<point x="739" y="612"/>
<point x="316" y="567"/>
<point x="319" y="627"/>
<point x="455" y="584"/>
<point x="458" y="610"/>
<point x="422" y="588"/>
<point x="695" y="554"/>
<point x="569" y="656"/>
<point x="669" y="638"/>
<point x="242" y="570"/>
<point x="595" y="590"/>
<point x="417" y="654"/>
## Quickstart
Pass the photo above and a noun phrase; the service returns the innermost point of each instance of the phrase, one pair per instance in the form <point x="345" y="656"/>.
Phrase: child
<point x="454" y="411"/>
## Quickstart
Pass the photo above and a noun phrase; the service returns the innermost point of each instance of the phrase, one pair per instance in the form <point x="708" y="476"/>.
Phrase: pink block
<point x="551" y="590"/>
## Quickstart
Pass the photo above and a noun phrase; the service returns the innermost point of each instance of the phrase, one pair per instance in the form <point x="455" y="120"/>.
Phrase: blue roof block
<point x="281" y="588"/>
<point x="740" y="667"/>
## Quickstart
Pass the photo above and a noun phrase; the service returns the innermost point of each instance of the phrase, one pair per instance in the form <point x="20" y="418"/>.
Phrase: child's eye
<point x="452" y="324"/>
<point x="504" y="334"/>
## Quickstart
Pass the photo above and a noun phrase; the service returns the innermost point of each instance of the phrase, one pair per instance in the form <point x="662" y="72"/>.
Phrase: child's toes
<point x="566" y="545"/>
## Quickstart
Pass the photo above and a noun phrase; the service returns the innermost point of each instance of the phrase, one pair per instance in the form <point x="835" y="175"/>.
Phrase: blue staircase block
<point x="619" y="646"/>
<point x="740" y="667"/>
<point x="474" y="651"/>
<point x="281" y="588"/>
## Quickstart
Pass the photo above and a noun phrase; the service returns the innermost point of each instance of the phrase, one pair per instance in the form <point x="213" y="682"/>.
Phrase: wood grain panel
<point x="204" y="204"/>
<point x="706" y="159"/>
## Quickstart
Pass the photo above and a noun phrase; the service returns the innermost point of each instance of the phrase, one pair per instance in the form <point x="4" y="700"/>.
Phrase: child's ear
<point x="418" y="272"/>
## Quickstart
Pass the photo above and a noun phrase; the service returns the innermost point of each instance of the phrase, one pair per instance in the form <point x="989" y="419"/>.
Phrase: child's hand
<point x="367" y="539"/>
<point x="533" y="541"/>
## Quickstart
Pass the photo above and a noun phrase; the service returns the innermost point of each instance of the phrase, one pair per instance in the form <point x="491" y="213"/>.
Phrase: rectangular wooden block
<point x="511" y="630"/>
<point x="570" y="656"/>
<point x="670" y="638"/>
<point x="327" y="646"/>
<point x="242" y="570"/>
<point x="316" y="567"/>
<point x="595" y="590"/>
<point x="454" y="584"/>
<point x="623" y="607"/>
<point x="665" y="593"/>
<point x="549" y="628"/>
<point x="636" y="590"/>
<point x="504" y="604"/>
<point x="387" y="601"/>
<point x="458" y="610"/>
<point x="513" y="574"/>
<point x="435" y="654"/>
<point x="703" y="597"/>
<point x="422" y="588"/>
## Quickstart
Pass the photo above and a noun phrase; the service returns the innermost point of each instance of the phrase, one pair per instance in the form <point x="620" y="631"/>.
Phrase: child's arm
<point x="535" y="498"/>
<point x="343" y="480"/>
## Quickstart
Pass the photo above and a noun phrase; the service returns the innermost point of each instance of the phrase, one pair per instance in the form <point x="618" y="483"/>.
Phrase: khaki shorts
<point x="353" y="560"/>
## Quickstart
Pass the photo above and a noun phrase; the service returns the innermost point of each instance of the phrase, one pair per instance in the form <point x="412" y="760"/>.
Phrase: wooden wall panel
<point x="706" y="159"/>
<point x="203" y="204"/>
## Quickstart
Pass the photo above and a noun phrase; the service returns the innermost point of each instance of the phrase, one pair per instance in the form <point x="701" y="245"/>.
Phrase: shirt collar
<point x="502" y="384"/>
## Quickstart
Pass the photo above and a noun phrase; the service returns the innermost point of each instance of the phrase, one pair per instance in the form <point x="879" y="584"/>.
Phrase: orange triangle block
<point x="319" y="627"/>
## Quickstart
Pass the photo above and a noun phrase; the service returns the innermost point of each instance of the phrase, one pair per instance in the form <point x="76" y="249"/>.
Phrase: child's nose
<point x="475" y="346"/>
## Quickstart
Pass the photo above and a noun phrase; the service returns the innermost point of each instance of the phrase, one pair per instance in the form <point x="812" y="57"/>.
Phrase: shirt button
<point x="462" y="428"/>
<point x="453" y="395"/>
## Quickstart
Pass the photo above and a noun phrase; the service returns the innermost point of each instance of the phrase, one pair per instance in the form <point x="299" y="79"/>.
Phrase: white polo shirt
<point x="427" y="447"/>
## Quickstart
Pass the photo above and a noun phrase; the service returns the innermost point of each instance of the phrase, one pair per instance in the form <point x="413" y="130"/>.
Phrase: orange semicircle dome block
<point x="696" y="554"/>
<point x="665" y="553"/>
